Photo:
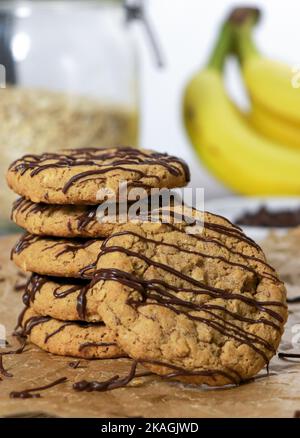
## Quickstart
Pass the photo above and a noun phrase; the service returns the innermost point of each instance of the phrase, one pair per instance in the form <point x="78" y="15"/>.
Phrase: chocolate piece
<point x="31" y="393"/>
<point x="264" y="217"/>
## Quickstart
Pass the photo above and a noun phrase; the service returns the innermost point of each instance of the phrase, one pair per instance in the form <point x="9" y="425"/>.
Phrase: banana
<point x="274" y="127"/>
<point x="272" y="85"/>
<point x="244" y="160"/>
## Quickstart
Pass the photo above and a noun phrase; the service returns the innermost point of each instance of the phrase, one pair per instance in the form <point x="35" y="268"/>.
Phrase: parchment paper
<point x="275" y="396"/>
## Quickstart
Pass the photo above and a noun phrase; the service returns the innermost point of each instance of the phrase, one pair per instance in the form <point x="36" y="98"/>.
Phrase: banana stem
<point x="223" y="46"/>
<point x="242" y="22"/>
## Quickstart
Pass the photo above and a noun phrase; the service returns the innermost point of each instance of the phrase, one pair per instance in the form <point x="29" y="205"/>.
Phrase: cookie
<point x="88" y="341"/>
<point x="77" y="258"/>
<point x="74" y="176"/>
<point x="83" y="221"/>
<point x="60" y="220"/>
<point x="64" y="299"/>
<point x="54" y="257"/>
<point x="199" y="316"/>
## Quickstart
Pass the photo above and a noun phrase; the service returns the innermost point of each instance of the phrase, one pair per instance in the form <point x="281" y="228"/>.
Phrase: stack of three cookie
<point x="58" y="209"/>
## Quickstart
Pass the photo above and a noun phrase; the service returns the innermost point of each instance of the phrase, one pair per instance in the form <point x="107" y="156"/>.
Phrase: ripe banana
<point x="274" y="127"/>
<point x="243" y="159"/>
<point x="271" y="85"/>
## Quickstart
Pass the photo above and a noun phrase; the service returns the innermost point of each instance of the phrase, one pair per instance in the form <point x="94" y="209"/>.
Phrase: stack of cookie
<point x="195" y="303"/>
<point x="58" y="208"/>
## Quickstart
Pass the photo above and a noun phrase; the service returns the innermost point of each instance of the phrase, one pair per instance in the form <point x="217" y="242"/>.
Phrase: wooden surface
<point x="275" y="396"/>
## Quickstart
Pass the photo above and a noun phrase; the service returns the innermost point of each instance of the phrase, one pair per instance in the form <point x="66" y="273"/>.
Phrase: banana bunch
<point x="254" y="154"/>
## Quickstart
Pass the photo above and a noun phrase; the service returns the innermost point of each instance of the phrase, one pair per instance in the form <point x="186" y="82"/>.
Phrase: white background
<point x="186" y="30"/>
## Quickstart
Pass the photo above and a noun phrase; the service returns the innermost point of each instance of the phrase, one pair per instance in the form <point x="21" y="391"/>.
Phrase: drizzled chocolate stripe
<point x="231" y="231"/>
<point x="30" y="323"/>
<point x="227" y="329"/>
<point x="24" y="242"/>
<point x="19" y="350"/>
<point x="72" y="247"/>
<point x="95" y="173"/>
<point x="84" y="272"/>
<point x="22" y="205"/>
<point x="29" y="239"/>
<point x="105" y="249"/>
<point x="36" y="282"/>
<point x="33" y="392"/>
<point x="33" y="322"/>
<point x="60" y="329"/>
<point x="192" y="221"/>
<point x="283" y="355"/>
<point x="103" y="161"/>
<point x="68" y="291"/>
<point x="81" y="324"/>
<point x="163" y="298"/>
<point x="197" y="253"/>
<point x="34" y="285"/>
<point x="120" y="382"/>
<point x="3" y="371"/>
<point x="90" y="215"/>
<point x="86" y="218"/>
<point x="293" y="300"/>
<point x="178" y="371"/>
<point x="127" y="279"/>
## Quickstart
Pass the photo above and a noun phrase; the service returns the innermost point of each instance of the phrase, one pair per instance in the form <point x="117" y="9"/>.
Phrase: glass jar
<point x="71" y="80"/>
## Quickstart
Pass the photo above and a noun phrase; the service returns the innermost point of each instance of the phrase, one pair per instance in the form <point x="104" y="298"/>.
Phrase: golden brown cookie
<point x="67" y="338"/>
<point x="69" y="258"/>
<point x="74" y="176"/>
<point x="61" y="257"/>
<point x="60" y="220"/>
<point x="64" y="299"/>
<point x="55" y="257"/>
<point x="188" y="307"/>
<point x="84" y="221"/>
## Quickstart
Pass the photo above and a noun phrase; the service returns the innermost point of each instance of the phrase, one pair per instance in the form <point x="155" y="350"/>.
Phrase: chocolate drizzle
<point x="126" y="159"/>
<point x="2" y="369"/>
<point x="283" y="355"/>
<point x="23" y="205"/>
<point x="33" y="322"/>
<point x="72" y="247"/>
<point x="293" y="300"/>
<point x="36" y="282"/>
<point x="74" y="364"/>
<point x="86" y="218"/>
<point x="116" y="381"/>
<point x="112" y="383"/>
<point x="61" y="328"/>
<point x="33" y="392"/>
<point x="33" y="286"/>
<point x="5" y="353"/>
<point x="160" y="293"/>
<point x="24" y="242"/>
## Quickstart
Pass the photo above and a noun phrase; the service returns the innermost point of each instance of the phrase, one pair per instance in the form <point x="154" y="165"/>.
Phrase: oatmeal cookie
<point x="75" y="176"/>
<point x="67" y="338"/>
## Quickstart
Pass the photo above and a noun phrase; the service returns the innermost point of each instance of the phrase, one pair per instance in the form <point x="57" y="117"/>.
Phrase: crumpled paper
<point x="275" y="396"/>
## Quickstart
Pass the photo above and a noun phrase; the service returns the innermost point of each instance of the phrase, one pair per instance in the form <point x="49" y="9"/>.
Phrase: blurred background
<point x="187" y="30"/>
<point x="86" y="73"/>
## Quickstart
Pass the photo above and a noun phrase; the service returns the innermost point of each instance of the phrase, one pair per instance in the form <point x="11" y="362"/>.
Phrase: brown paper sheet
<point x="275" y="396"/>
